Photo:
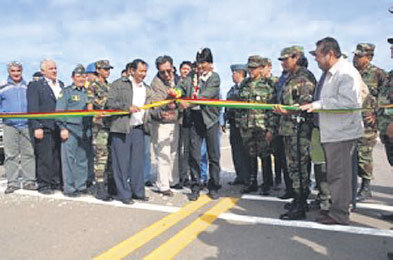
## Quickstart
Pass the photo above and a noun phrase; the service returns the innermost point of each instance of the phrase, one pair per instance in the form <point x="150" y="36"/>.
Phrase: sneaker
<point x="11" y="189"/>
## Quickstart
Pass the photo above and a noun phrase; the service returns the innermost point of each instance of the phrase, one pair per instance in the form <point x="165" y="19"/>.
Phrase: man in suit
<point x="41" y="97"/>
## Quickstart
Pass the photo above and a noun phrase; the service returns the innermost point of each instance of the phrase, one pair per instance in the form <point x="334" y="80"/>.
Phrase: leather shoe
<point x="287" y="195"/>
<point x="236" y="182"/>
<point x="328" y="220"/>
<point x="213" y="194"/>
<point x="193" y="196"/>
<point x="145" y="198"/>
<point x="148" y="184"/>
<point x="46" y="191"/>
<point x="71" y="194"/>
<point x="177" y="186"/>
<point x="127" y="201"/>
<point x="29" y="186"/>
<point x="11" y="189"/>
<point x="168" y="193"/>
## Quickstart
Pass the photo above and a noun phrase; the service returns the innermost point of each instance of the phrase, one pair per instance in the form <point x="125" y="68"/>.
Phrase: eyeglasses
<point x="163" y="72"/>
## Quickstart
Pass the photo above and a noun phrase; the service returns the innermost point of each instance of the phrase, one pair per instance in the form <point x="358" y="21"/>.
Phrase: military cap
<point x="37" y="74"/>
<point x="237" y="67"/>
<point x="91" y="68"/>
<point x="256" y="61"/>
<point x="363" y="49"/>
<point x="103" y="64"/>
<point x="289" y="51"/>
<point x="79" y="69"/>
<point x="390" y="40"/>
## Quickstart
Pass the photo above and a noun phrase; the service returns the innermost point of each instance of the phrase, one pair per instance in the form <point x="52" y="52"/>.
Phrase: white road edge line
<point x="358" y="205"/>
<point x="224" y="216"/>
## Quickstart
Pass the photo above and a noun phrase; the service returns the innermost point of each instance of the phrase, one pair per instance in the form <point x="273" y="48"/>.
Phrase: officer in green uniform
<point x="256" y="126"/>
<point x="373" y="77"/>
<point x="298" y="89"/>
<point x="75" y="133"/>
<point x="97" y="94"/>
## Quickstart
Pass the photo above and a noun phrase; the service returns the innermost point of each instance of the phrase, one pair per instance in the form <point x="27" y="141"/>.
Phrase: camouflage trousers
<point x="365" y="146"/>
<point x="102" y="153"/>
<point x="254" y="142"/>
<point x="318" y="158"/>
<point x="293" y="167"/>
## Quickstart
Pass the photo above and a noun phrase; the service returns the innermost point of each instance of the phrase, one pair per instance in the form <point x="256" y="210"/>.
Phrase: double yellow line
<point x="174" y="245"/>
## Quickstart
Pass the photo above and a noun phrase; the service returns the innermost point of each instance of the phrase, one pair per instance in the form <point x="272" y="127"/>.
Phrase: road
<point x="35" y="226"/>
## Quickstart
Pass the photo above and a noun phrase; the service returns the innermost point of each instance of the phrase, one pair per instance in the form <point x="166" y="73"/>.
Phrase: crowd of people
<point x="176" y="144"/>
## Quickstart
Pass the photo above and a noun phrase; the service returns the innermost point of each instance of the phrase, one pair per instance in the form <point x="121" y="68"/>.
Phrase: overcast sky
<point x="75" y="31"/>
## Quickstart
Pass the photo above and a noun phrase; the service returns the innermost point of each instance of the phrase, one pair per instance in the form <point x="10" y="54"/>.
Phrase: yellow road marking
<point x="174" y="245"/>
<point x="142" y="237"/>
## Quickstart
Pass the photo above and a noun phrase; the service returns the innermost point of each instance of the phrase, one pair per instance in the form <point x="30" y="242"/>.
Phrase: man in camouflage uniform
<point x="97" y="95"/>
<point x="256" y="126"/>
<point x="373" y="77"/>
<point x="298" y="89"/>
<point x="385" y="116"/>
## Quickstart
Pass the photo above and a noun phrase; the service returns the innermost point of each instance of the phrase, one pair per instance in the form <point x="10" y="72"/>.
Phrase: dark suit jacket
<point x="40" y="98"/>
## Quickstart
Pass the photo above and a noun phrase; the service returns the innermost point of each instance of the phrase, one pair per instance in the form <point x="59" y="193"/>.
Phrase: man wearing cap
<point x="256" y="126"/>
<point x="91" y="73"/>
<point x="340" y="87"/>
<point x="374" y="78"/>
<point x="18" y="147"/>
<point x="42" y="96"/>
<point x="37" y="76"/>
<point x="297" y="90"/>
<point x="239" y="73"/>
<point x="204" y="123"/>
<point x="75" y="133"/>
<point x="97" y="95"/>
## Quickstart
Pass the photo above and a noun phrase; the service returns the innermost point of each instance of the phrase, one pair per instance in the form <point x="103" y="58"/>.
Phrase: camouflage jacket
<point x="258" y="91"/>
<point x="385" y="97"/>
<point x="373" y="77"/>
<point x="297" y="89"/>
<point x="97" y="94"/>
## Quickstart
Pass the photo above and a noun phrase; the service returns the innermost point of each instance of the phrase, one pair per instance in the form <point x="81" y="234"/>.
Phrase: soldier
<point x="298" y="89"/>
<point x="385" y="116"/>
<point x="256" y="126"/>
<point x="373" y="77"/>
<point x="75" y="133"/>
<point x="97" y="95"/>
<point x="239" y="72"/>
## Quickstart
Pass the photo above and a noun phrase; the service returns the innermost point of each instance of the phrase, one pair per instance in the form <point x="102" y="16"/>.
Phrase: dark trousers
<point x="267" y="173"/>
<point x="47" y="154"/>
<point x="388" y="148"/>
<point x="198" y="132"/>
<point x="339" y="177"/>
<point x="127" y="162"/>
<point x="239" y="155"/>
<point x="184" y="154"/>
<point x="280" y="161"/>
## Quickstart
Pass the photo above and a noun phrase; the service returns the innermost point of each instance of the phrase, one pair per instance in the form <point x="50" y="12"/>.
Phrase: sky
<point x="74" y="31"/>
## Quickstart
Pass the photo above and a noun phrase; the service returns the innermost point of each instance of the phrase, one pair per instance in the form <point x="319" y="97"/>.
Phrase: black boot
<point x="250" y="182"/>
<point x="365" y="191"/>
<point x="297" y="209"/>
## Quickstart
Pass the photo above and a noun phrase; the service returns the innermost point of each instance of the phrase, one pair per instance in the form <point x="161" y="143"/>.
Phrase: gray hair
<point x="43" y="63"/>
<point x="14" y="64"/>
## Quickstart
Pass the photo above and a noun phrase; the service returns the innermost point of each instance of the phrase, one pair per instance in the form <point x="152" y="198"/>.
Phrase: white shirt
<point x="341" y="89"/>
<point x="138" y="99"/>
<point x="54" y="86"/>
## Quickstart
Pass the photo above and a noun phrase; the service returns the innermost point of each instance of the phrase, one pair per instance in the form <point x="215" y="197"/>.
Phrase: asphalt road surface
<point x="34" y="226"/>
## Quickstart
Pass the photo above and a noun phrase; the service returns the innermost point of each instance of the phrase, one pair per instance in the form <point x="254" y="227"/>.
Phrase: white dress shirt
<point x="55" y="86"/>
<point x="138" y="99"/>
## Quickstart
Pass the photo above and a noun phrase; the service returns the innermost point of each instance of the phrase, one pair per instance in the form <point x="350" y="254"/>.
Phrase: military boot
<point x="250" y="183"/>
<point x="297" y="209"/>
<point x="365" y="191"/>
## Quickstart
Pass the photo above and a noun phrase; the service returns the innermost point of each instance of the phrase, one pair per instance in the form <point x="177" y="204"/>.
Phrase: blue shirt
<point x="13" y="100"/>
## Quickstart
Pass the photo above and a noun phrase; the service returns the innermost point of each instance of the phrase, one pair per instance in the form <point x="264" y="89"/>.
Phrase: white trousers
<point x="164" y="155"/>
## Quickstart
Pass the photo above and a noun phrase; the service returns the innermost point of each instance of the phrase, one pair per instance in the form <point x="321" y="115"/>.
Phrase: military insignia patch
<point x="75" y="98"/>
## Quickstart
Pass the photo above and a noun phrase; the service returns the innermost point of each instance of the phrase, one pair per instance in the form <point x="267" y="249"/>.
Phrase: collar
<point x="10" y="81"/>
<point x="336" y="66"/>
<point x="206" y="76"/>
<point x="131" y="78"/>
<point x="51" y="81"/>
<point x="77" y="88"/>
